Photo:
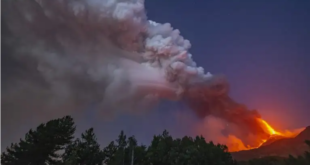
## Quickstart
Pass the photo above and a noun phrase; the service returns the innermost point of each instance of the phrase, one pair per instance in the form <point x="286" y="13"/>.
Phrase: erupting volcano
<point x="108" y="54"/>
<point x="212" y="99"/>
<point x="236" y="144"/>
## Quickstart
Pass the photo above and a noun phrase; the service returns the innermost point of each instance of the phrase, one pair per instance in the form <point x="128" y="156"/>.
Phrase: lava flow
<point x="235" y="144"/>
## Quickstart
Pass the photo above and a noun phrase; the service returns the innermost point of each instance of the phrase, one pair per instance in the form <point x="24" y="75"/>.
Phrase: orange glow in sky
<point x="236" y="144"/>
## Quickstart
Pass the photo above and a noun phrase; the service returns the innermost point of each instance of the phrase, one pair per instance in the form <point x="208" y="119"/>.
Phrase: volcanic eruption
<point x="75" y="53"/>
<point x="212" y="99"/>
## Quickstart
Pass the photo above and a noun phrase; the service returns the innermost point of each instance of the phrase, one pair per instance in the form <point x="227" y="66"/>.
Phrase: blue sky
<point x="262" y="47"/>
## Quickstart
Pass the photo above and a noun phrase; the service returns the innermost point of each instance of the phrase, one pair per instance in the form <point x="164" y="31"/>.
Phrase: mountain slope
<point x="273" y="139"/>
<point x="277" y="147"/>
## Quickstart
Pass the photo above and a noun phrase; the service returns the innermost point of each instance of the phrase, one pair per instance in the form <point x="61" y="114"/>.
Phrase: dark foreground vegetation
<point x="53" y="143"/>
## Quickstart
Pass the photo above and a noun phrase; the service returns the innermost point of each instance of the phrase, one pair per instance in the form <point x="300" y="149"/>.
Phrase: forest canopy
<point x="42" y="146"/>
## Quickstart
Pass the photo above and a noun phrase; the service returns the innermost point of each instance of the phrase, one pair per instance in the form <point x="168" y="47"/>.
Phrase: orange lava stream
<point x="268" y="128"/>
<point x="236" y="144"/>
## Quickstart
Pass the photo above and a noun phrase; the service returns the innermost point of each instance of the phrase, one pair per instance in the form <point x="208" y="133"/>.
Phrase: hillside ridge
<point x="277" y="147"/>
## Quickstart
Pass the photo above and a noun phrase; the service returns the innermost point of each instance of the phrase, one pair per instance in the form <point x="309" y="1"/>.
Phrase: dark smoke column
<point x="211" y="98"/>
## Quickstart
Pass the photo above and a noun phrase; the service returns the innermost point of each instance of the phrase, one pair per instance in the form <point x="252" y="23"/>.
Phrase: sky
<point x="262" y="47"/>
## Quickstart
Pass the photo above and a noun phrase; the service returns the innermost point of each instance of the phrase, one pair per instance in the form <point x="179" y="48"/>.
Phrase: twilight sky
<point x="261" y="46"/>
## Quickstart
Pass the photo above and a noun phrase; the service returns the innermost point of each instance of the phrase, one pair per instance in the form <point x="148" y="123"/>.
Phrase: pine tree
<point x="40" y="146"/>
<point x="85" y="151"/>
<point x="110" y="153"/>
<point x="125" y="151"/>
<point x="115" y="153"/>
<point x="132" y="143"/>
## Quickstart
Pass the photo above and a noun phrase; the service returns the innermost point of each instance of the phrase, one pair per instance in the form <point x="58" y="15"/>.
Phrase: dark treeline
<point x="53" y="143"/>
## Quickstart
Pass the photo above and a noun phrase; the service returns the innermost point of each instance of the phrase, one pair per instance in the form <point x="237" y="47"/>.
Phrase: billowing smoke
<point x="61" y="56"/>
<point x="212" y="99"/>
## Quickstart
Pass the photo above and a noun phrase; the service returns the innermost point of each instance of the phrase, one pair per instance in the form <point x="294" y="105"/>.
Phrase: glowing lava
<point x="236" y="144"/>
<point x="267" y="128"/>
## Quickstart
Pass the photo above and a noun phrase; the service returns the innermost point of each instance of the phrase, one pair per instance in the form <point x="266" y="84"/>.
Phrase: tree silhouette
<point x="84" y="151"/>
<point x="164" y="150"/>
<point x="40" y="146"/>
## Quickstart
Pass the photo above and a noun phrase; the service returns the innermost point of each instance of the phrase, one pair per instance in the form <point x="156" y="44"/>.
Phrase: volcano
<point x="277" y="146"/>
<point x="272" y="139"/>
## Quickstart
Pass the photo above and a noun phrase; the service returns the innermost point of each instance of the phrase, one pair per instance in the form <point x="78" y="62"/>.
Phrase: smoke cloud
<point x="60" y="56"/>
<point x="212" y="99"/>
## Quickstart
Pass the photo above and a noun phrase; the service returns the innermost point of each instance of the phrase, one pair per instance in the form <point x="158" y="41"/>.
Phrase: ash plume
<point x="212" y="99"/>
<point x="60" y="56"/>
